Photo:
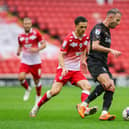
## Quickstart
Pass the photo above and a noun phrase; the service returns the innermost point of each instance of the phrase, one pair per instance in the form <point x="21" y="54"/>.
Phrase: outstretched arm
<point x="96" y="46"/>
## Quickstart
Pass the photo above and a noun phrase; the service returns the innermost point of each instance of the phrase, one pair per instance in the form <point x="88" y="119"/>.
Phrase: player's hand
<point x="33" y="50"/>
<point x="64" y="71"/>
<point x="84" y="63"/>
<point x="115" y="52"/>
<point x="84" y="66"/>
<point x="18" y="53"/>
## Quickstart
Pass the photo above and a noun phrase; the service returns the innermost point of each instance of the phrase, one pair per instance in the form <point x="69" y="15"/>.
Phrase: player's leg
<point x="36" y="73"/>
<point x="22" y="79"/>
<point x="56" y="88"/>
<point x="79" y="80"/>
<point x="95" y="93"/>
<point x="24" y="69"/>
<point x="38" y="88"/>
<point x="85" y="86"/>
<point x="95" y="70"/>
<point x="83" y="108"/>
<point x="109" y="87"/>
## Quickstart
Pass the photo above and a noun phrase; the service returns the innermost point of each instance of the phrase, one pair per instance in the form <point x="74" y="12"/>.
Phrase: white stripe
<point x="86" y="92"/>
<point x="39" y="84"/>
<point x="48" y="94"/>
<point x="23" y="81"/>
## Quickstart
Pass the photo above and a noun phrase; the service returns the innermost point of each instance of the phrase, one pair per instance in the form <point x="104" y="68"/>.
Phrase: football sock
<point x="38" y="90"/>
<point x="108" y="97"/>
<point x="96" y="92"/>
<point x="104" y="112"/>
<point x="84" y="95"/>
<point x="25" y="84"/>
<point x="44" y="99"/>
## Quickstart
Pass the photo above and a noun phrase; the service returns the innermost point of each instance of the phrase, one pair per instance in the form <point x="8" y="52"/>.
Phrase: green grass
<point x="59" y="112"/>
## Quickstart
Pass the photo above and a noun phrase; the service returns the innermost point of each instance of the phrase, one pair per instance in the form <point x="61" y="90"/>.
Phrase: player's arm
<point x="19" y="46"/>
<point x="61" y="63"/>
<point x="83" y="58"/>
<point x="85" y="53"/>
<point x="63" y="51"/>
<point x="61" y="59"/>
<point x="41" y="47"/>
<point x="42" y="43"/>
<point x="19" y="50"/>
<point x="96" y="38"/>
<point x="83" y="61"/>
<point x="97" y="47"/>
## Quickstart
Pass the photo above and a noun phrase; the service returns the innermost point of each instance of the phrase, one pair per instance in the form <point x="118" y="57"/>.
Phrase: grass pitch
<point x="59" y="112"/>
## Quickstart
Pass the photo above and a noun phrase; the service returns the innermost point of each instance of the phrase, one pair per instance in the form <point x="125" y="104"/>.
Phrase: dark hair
<point x="114" y="11"/>
<point x="80" y="19"/>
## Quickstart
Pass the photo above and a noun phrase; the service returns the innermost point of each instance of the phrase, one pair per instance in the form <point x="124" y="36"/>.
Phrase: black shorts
<point x="96" y="68"/>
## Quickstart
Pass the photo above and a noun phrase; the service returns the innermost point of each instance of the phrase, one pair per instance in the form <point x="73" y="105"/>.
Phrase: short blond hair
<point x="114" y="11"/>
<point x="27" y="19"/>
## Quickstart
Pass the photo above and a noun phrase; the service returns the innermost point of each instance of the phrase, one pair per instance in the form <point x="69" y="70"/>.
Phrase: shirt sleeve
<point x="65" y="46"/>
<point x="39" y="35"/>
<point x="96" y="34"/>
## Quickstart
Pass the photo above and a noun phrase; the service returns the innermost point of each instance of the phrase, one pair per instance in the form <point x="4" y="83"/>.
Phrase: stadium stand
<point x="56" y="18"/>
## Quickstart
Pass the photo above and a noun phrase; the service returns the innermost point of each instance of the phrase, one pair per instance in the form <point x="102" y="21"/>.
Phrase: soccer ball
<point x="125" y="113"/>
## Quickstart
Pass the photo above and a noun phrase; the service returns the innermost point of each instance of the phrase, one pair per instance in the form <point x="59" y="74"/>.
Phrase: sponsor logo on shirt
<point x="97" y="31"/>
<point x="80" y="45"/>
<point x="60" y="78"/>
<point x="21" y="39"/>
<point x="78" y="53"/>
<point x="32" y="37"/>
<point x="73" y="44"/>
<point x="26" y="40"/>
<point x="86" y="42"/>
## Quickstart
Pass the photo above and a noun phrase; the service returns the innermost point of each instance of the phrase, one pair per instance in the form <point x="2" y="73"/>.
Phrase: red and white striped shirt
<point x="74" y="47"/>
<point x="27" y="41"/>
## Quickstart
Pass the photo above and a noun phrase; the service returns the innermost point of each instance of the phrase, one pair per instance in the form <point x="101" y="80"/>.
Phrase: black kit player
<point x="100" y="41"/>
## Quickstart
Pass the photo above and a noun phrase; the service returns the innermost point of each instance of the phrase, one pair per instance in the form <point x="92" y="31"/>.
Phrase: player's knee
<point x="86" y="87"/>
<point x="37" y="82"/>
<point x="112" y="88"/>
<point x="109" y="86"/>
<point x="21" y="78"/>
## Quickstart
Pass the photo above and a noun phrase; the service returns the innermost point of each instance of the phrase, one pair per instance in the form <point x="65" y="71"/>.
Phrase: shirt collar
<point x="80" y="38"/>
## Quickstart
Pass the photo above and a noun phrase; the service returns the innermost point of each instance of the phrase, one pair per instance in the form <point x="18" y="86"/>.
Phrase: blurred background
<point x="55" y="19"/>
